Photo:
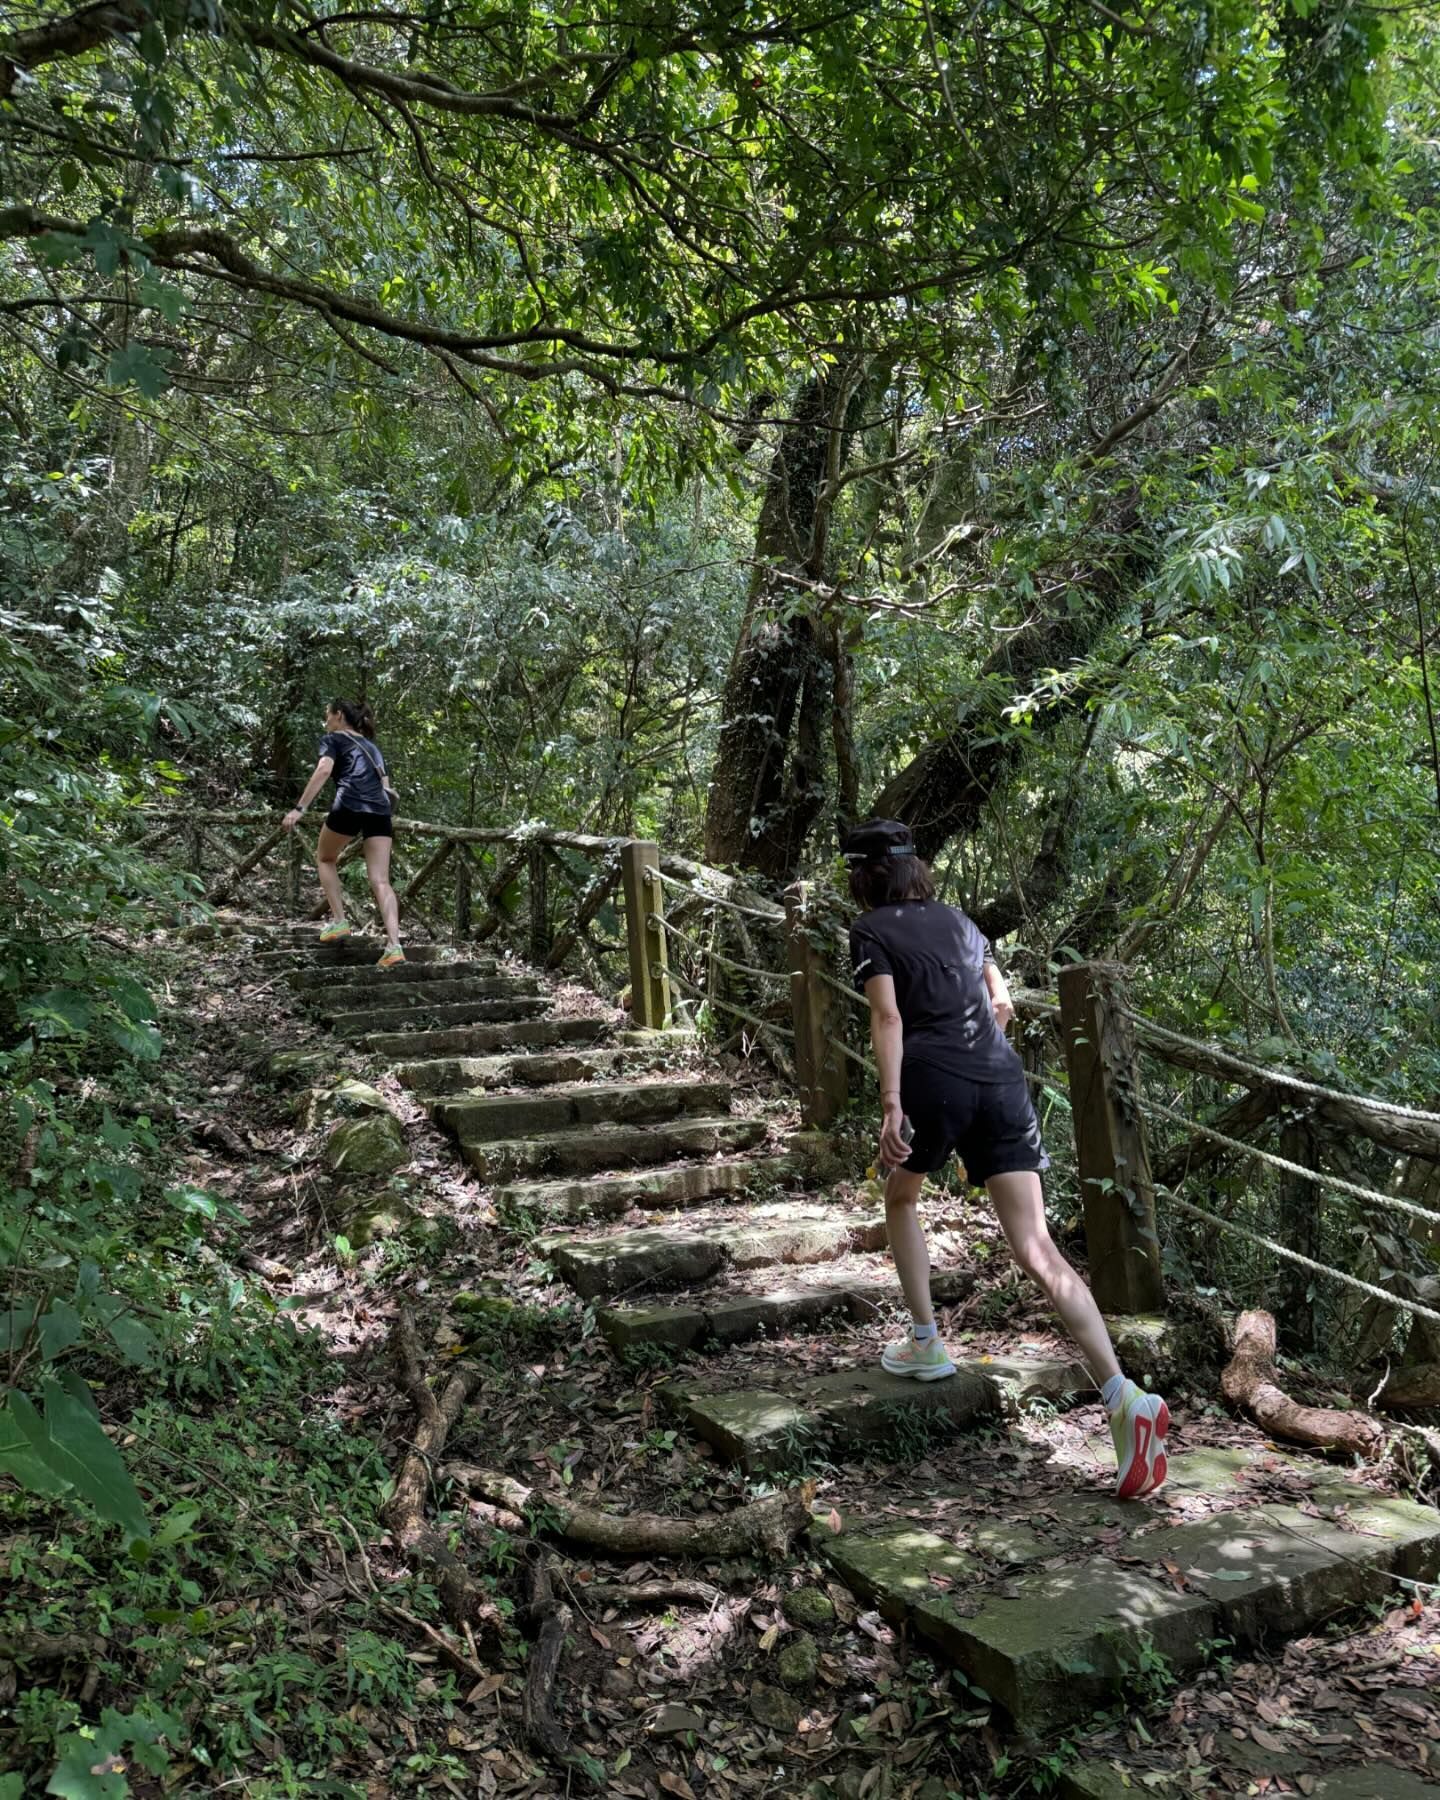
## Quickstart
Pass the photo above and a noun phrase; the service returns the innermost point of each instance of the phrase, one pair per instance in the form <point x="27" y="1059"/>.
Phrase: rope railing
<point x="689" y="885"/>
<point x="1286" y="1254"/>
<point x="724" y="1005"/>
<point x="1321" y="1177"/>
<point x="1260" y="1073"/>
<point x="659" y="923"/>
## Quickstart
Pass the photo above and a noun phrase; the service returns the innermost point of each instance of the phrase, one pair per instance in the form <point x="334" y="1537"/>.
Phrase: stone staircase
<point x="1048" y="1607"/>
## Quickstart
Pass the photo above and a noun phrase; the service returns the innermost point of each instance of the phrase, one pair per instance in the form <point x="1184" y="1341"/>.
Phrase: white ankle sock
<point x="922" y="1333"/>
<point x="1111" y="1392"/>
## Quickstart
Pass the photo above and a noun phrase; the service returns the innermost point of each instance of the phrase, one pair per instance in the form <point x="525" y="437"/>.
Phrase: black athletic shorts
<point x="341" y="820"/>
<point x="990" y="1125"/>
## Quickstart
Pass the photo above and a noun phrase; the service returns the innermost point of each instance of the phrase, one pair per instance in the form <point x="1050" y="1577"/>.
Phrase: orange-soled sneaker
<point x="335" y="930"/>
<point x="929" y="1361"/>
<point x="1139" y="1426"/>
<point x="392" y="958"/>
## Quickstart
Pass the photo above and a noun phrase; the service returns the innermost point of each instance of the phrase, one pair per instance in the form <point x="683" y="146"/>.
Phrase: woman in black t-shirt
<point x="348" y="751"/>
<point x="949" y="1082"/>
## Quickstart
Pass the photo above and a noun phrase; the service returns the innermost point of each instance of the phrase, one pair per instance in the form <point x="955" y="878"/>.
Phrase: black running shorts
<point x="990" y="1125"/>
<point x="345" y="823"/>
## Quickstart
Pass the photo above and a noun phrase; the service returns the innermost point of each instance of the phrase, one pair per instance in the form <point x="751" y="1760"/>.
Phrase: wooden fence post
<point x="464" y="890"/>
<point x="1299" y="1220"/>
<point x="645" y="935"/>
<point x="539" y="866"/>
<point x="819" y="1019"/>
<point x="1110" y="1145"/>
<point x="296" y="869"/>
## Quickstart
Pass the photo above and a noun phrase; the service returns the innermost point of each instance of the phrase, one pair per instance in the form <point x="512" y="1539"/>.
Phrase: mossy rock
<point x="810" y="1608"/>
<point x="374" y="1217"/>
<point x="286" y="1066"/>
<point x="348" y="1098"/>
<point x="372" y="1145"/>
<point x="797" y="1662"/>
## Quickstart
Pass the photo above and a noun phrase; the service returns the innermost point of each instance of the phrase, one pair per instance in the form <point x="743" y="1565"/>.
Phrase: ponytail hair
<point x="357" y="715"/>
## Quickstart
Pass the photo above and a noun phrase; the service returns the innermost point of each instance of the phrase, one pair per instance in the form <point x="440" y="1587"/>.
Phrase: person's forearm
<point x="887" y="1034"/>
<point x="312" y="788"/>
<point x="995" y="981"/>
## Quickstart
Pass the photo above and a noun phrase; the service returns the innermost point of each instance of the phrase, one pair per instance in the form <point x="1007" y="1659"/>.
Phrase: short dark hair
<point x="356" y="714"/>
<point x="884" y="869"/>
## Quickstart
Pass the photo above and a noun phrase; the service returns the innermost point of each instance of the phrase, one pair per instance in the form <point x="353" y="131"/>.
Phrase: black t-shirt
<point x="937" y="958"/>
<point x="359" y="769"/>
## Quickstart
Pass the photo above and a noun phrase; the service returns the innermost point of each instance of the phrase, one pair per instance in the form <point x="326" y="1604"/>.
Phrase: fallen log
<point x="770" y="1524"/>
<point x="1248" y="1381"/>
<point x="467" y="1604"/>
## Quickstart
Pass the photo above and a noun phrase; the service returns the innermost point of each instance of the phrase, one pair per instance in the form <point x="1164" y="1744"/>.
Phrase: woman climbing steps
<point x="949" y="1082"/>
<point x="362" y="809"/>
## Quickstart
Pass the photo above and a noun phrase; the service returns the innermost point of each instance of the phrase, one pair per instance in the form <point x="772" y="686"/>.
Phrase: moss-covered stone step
<point x="782" y="1418"/>
<point x="1053" y="1643"/>
<point x="667" y="1256"/>
<point x="351" y="952"/>
<point x="1109" y="1780"/>
<point x="487" y="1040"/>
<point x="456" y="1075"/>
<point x="335" y="1000"/>
<point x="382" y="1020"/>
<point x="360" y="979"/>
<point x="588" y="1149"/>
<point x="485" y="1118"/>
<point x="740" y="1317"/>
<point x="682" y="1184"/>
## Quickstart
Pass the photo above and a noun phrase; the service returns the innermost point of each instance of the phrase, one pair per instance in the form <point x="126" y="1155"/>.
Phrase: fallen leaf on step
<point x="677" y="1784"/>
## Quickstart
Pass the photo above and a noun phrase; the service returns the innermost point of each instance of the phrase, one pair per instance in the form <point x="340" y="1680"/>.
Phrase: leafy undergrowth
<point x="266" y="1637"/>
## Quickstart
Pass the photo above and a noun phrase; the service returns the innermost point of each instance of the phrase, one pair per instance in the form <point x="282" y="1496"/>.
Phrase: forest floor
<point x="295" y="1654"/>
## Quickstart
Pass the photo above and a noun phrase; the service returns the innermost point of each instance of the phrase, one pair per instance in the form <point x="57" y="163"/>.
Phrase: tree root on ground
<point x="625" y="1596"/>
<point x="770" y="1524"/>
<point x="1248" y="1381"/>
<point x="549" y="1620"/>
<point x="467" y="1604"/>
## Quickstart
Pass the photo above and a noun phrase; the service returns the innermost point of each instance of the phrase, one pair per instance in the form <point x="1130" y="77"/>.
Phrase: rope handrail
<point x="1286" y="1254"/>
<point x="1319" y="1176"/>
<point x="526" y="832"/>
<point x="672" y="974"/>
<point x="657" y="922"/>
<point x="1263" y="1072"/>
<point x="688" y="884"/>
<point x="841" y="987"/>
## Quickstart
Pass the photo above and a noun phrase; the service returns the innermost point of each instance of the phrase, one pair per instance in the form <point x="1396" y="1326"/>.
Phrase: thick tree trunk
<point x="770" y="770"/>
<point x="942" y="792"/>
<point x="1248" y="1380"/>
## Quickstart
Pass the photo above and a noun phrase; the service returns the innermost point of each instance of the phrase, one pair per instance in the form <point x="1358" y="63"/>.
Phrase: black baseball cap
<point x="878" y="838"/>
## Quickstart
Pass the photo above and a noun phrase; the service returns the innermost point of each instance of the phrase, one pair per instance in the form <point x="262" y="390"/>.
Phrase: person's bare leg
<point x="907" y="1242"/>
<point x="326" y="851"/>
<point x="377" y="867"/>
<point x="1020" y="1204"/>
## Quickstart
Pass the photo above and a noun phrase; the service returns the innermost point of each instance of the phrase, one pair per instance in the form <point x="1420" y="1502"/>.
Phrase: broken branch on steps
<point x="1248" y="1381"/>
<point x="770" y="1524"/>
<point x="466" y="1603"/>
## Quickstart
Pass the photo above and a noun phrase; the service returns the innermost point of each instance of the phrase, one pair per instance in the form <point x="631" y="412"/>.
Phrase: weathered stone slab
<point x="659" y="1256"/>
<point x="802" y="1239"/>
<point x="585" y="1150"/>
<point x="489" y="1117"/>
<point x="1360" y="1781"/>
<point x="484" y="1040"/>
<point x="607" y="1196"/>
<point x="338" y="1000"/>
<point x="351" y="952"/>
<point x="724" y="1321"/>
<point x="1048" y="1646"/>
<point x="1024" y="1380"/>
<point x="891" y="1568"/>
<point x="1275" y="1568"/>
<point x="454" y="1076"/>
<point x="359" y="980"/>
<point x="670" y="1327"/>
<point x="389" y="1019"/>
<point x="765" y="1428"/>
